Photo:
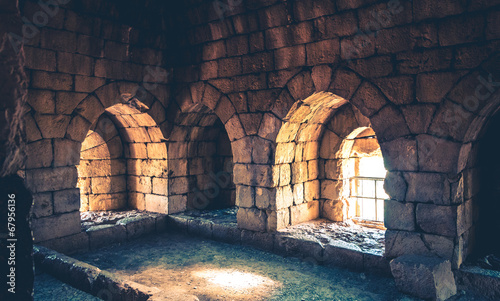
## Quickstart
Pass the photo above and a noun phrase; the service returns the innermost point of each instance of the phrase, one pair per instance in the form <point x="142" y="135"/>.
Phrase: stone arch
<point x="344" y="87"/>
<point x="59" y="144"/>
<point x="203" y="129"/>
<point x="479" y="94"/>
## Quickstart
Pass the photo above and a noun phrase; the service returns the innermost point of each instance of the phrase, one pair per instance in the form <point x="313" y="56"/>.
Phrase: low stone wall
<point x="102" y="235"/>
<point x="89" y="278"/>
<point x="334" y="254"/>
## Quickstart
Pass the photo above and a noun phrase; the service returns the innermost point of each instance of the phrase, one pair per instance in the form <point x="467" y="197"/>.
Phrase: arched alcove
<point x="200" y="160"/>
<point x="123" y="162"/>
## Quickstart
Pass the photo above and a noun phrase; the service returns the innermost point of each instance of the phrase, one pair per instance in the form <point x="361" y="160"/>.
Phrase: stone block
<point x="424" y="61"/>
<point x="58" y="40"/>
<point x="418" y="117"/>
<point x="441" y="220"/>
<point x="399" y="216"/>
<point x="51" y="81"/>
<point x="74" y="63"/>
<point x="105" y="235"/>
<point x="323" y="52"/>
<point x="139" y="184"/>
<point x="400" y="154"/>
<point x="311" y="190"/>
<point x="39" y="154"/>
<point x="66" y="200"/>
<point x="330" y="189"/>
<point x="402" y="242"/>
<point x="427" y="187"/>
<point x="40" y="59"/>
<point x="461" y="30"/>
<point x="262" y="151"/>
<point x="98" y="202"/>
<point x="200" y="227"/>
<point x="77" y="129"/>
<point x="264" y="197"/>
<point x="304" y="212"/>
<point x="42" y="101"/>
<point x="51" y="179"/>
<point x="42" y="204"/>
<point x="277" y="219"/>
<point x="284" y="197"/>
<point x="55" y="226"/>
<point x="66" y="152"/>
<point x="332" y="210"/>
<point x="177" y="203"/>
<point x="342" y="254"/>
<point x="156" y="203"/>
<point x="289" y="57"/>
<point x="137" y="226"/>
<point x="52" y="126"/>
<point x="298" y="193"/>
<point x="252" y="219"/>
<point x="376" y="264"/>
<point x="258" y="240"/>
<point x="285" y="174"/>
<point x="90" y="45"/>
<point x="227" y="232"/>
<point x="69" y="244"/>
<point x="253" y="175"/>
<point x="389" y="124"/>
<point x="437" y="155"/>
<point x="303" y="247"/>
<point x="395" y="186"/>
<point x="245" y="196"/>
<point x="160" y="186"/>
<point x="368" y="99"/>
<point x="424" y="277"/>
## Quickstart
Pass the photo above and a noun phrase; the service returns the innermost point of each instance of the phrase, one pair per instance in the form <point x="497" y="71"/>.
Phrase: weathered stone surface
<point x="424" y="277"/>
<point x="400" y="154"/>
<point x="42" y="204"/>
<point x="51" y="179"/>
<point x="399" y="216"/>
<point x="227" y="233"/>
<point x="200" y="227"/>
<point x="332" y="210"/>
<point x="245" y="196"/>
<point x="304" y="212"/>
<point x="104" y="235"/>
<point x="137" y="226"/>
<point x="436" y="219"/>
<point x="343" y="254"/>
<point x="395" y="186"/>
<point x="252" y="219"/>
<point x="427" y="187"/>
<point x="263" y="241"/>
<point x="66" y="200"/>
<point x="47" y="228"/>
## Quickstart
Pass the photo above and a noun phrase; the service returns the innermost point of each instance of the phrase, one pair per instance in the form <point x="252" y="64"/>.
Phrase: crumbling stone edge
<point x="336" y="254"/>
<point x="89" y="278"/>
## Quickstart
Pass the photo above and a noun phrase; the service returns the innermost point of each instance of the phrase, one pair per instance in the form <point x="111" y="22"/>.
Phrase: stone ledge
<point x="89" y="278"/>
<point x="98" y="236"/>
<point x="335" y="253"/>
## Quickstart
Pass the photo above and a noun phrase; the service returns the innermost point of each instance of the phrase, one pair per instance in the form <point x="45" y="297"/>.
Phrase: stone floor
<point x="209" y="270"/>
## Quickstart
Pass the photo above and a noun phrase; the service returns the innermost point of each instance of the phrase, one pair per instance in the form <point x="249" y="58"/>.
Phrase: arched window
<point x="365" y="172"/>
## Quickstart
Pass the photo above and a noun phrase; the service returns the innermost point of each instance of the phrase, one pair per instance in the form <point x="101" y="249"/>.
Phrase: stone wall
<point x="421" y="74"/>
<point x="102" y="169"/>
<point x="80" y="61"/>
